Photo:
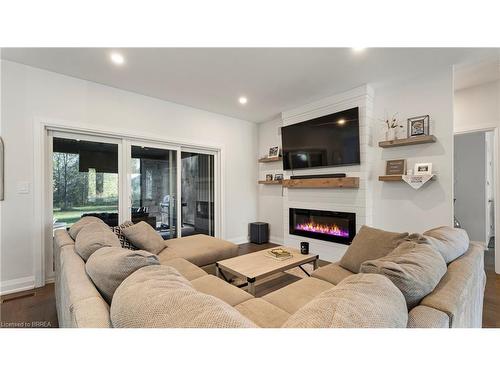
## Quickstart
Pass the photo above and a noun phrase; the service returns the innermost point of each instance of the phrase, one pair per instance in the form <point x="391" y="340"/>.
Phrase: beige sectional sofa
<point x="456" y="301"/>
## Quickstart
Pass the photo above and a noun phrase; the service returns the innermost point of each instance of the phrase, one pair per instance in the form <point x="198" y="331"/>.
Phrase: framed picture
<point x="418" y="126"/>
<point x="269" y="177"/>
<point x="278" y="176"/>
<point x="395" y="167"/>
<point x="422" y="168"/>
<point x="274" y="152"/>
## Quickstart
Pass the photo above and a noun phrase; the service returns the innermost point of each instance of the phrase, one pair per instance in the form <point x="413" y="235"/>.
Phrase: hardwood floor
<point x="491" y="305"/>
<point x="36" y="308"/>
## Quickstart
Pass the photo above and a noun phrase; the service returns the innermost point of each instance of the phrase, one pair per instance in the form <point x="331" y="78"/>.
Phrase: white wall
<point x="28" y="93"/>
<point x="270" y="208"/>
<point x="391" y="206"/>
<point x="470" y="184"/>
<point x="397" y="206"/>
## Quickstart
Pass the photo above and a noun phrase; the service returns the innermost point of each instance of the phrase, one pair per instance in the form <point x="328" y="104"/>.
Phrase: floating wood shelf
<point x="269" y="160"/>
<point x="273" y="182"/>
<point x="421" y="139"/>
<point x="332" y="183"/>
<point x="394" y="178"/>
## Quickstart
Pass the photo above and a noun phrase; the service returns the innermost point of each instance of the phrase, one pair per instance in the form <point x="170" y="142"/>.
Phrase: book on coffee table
<point x="279" y="254"/>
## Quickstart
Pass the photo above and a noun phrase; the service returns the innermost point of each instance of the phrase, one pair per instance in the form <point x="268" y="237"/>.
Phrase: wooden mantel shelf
<point x="331" y="183"/>
<point x="269" y="160"/>
<point x="273" y="182"/>
<point x="418" y="140"/>
<point x="394" y="178"/>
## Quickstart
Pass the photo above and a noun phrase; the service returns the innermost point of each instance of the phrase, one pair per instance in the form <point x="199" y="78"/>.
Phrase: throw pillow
<point x="414" y="268"/>
<point x="358" y="301"/>
<point x="159" y="297"/>
<point x="80" y="224"/>
<point x="143" y="236"/>
<point x="109" y="266"/>
<point x="369" y="243"/>
<point x="92" y="237"/>
<point x="118" y="230"/>
<point x="450" y="242"/>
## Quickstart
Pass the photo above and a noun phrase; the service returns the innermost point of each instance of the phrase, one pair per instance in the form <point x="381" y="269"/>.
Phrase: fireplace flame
<point x="333" y="229"/>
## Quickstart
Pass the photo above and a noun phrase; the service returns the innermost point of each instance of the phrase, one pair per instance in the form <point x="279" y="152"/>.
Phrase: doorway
<point x="474" y="185"/>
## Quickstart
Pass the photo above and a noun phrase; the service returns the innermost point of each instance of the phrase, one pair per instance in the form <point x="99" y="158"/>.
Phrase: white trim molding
<point x="17" y="285"/>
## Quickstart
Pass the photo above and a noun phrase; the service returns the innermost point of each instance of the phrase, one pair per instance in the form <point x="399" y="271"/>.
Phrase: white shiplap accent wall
<point x="348" y="200"/>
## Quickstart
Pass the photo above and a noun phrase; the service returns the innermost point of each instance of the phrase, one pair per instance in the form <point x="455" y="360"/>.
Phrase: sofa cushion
<point x="92" y="237"/>
<point x="143" y="236"/>
<point x="460" y="292"/>
<point x="414" y="268"/>
<point x="263" y="313"/>
<point x="332" y="273"/>
<point x="427" y="317"/>
<point x="159" y="297"/>
<point x="118" y="230"/>
<point x="359" y="301"/>
<point x="449" y="242"/>
<point x="109" y="266"/>
<point x="185" y="268"/>
<point x="199" y="249"/>
<point x="80" y="224"/>
<point x="369" y="243"/>
<point x="292" y="297"/>
<point x="216" y="287"/>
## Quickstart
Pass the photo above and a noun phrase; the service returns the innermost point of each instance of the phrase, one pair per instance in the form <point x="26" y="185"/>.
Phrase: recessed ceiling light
<point x="243" y="100"/>
<point x="117" y="58"/>
<point x="341" y="121"/>
<point x="358" y="49"/>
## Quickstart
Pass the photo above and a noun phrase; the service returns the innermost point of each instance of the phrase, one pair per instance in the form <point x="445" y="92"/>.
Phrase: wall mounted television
<point x="327" y="141"/>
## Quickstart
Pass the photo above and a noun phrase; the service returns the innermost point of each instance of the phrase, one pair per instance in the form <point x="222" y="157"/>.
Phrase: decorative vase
<point x="390" y="134"/>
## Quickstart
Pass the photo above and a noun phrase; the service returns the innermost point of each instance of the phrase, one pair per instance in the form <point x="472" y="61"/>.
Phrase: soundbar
<point x="332" y="175"/>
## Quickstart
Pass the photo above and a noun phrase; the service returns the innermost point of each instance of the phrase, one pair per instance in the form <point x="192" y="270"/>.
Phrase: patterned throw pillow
<point x="126" y="244"/>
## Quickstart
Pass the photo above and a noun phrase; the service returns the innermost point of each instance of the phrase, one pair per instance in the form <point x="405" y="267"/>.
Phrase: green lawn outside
<point x="74" y="214"/>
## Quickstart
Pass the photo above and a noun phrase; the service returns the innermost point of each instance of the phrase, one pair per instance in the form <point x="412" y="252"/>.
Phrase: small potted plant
<point x="392" y="127"/>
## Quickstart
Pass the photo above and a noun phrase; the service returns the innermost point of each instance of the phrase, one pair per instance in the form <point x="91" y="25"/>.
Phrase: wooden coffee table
<point x="257" y="266"/>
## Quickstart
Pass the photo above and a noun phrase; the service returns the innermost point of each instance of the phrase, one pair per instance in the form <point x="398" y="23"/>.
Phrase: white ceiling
<point x="273" y="79"/>
<point x="469" y="75"/>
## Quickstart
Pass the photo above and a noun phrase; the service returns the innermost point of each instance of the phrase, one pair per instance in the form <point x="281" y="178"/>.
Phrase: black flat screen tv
<point x="327" y="141"/>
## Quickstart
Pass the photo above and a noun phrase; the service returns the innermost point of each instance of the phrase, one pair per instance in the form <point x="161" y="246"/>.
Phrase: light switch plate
<point x="23" y="188"/>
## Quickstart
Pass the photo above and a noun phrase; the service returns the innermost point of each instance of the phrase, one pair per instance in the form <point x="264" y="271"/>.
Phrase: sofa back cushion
<point x="92" y="237"/>
<point x="369" y="243"/>
<point x="109" y="266"/>
<point x="358" y="301"/>
<point x="143" y="236"/>
<point x="450" y="242"/>
<point x="80" y="224"/>
<point x="414" y="268"/>
<point x="159" y="297"/>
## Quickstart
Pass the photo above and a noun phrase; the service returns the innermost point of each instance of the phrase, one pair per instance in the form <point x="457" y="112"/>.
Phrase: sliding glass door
<point x="172" y="188"/>
<point x="153" y="188"/>
<point x="198" y="193"/>
<point x="85" y="179"/>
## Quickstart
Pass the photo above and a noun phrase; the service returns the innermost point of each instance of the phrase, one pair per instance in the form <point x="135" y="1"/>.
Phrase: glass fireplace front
<point x="330" y="226"/>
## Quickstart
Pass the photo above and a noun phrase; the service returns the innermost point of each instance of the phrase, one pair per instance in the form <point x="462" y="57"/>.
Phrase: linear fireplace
<point x="331" y="226"/>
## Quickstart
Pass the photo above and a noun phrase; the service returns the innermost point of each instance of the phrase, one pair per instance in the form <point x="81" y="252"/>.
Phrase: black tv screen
<point x="331" y="140"/>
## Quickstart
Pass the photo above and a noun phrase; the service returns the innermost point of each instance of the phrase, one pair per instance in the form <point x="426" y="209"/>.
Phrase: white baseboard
<point x="238" y="240"/>
<point x="17" y="285"/>
<point x="277" y="240"/>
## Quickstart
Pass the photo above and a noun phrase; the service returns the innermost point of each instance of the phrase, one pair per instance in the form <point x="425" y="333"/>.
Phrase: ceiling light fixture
<point x="243" y="100"/>
<point x="341" y="121"/>
<point x="358" y="49"/>
<point x="117" y="58"/>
